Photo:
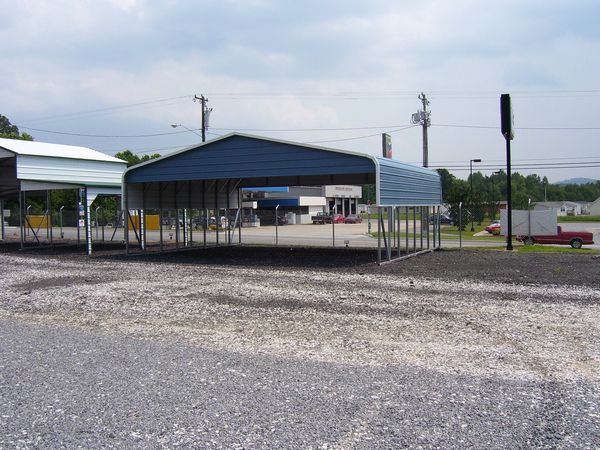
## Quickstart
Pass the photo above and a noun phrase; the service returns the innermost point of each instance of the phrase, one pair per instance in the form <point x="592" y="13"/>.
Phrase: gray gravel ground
<point x="451" y="349"/>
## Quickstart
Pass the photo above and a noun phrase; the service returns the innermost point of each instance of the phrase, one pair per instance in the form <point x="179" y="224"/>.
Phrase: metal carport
<point x="210" y="176"/>
<point x="39" y="166"/>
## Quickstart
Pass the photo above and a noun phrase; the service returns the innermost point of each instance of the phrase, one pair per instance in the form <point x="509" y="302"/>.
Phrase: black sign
<point x="506" y="117"/>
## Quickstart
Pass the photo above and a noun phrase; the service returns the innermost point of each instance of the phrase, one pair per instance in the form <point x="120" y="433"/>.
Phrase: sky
<point x="115" y="74"/>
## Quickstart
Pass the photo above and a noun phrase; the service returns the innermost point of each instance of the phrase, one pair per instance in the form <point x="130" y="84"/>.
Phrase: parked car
<point x="338" y="218"/>
<point x="321" y="218"/>
<point x="445" y="219"/>
<point x="493" y="228"/>
<point x="353" y="218"/>
<point x="574" y="238"/>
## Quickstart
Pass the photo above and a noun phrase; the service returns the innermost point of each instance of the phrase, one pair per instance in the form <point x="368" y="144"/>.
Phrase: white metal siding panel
<point x="405" y="185"/>
<point x="63" y="170"/>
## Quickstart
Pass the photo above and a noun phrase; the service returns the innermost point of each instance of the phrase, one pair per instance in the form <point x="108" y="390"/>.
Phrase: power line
<point x="516" y="128"/>
<point x="381" y="127"/>
<point x="103" y="135"/>
<point x="107" y="109"/>
<point x="359" y="137"/>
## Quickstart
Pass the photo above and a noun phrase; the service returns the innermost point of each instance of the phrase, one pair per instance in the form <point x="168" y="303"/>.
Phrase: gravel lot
<point x="452" y="349"/>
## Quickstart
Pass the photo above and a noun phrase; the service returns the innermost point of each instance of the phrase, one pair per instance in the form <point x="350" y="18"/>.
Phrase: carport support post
<point x="427" y="216"/>
<point x="391" y="226"/>
<point x="204" y="210"/>
<point x="126" y="218"/>
<point x="398" y="230"/>
<point x="439" y="228"/>
<point x="176" y="215"/>
<point x="227" y="218"/>
<point x="217" y="218"/>
<point x="434" y="215"/>
<point x="240" y="212"/>
<point x="1" y="219"/>
<point x="191" y="216"/>
<point x="21" y="217"/>
<point x="388" y="243"/>
<point x="414" y="229"/>
<point x="160" y="215"/>
<point x="78" y="217"/>
<point x="142" y="216"/>
<point x="88" y="223"/>
<point x="406" y="219"/>
<point x="421" y="226"/>
<point x="49" y="216"/>
<point x="379" y="235"/>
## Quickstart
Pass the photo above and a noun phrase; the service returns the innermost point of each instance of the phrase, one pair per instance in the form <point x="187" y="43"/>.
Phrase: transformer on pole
<point x="422" y="117"/>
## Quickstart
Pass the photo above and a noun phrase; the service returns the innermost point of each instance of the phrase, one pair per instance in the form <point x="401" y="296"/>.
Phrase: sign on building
<point x="386" y="143"/>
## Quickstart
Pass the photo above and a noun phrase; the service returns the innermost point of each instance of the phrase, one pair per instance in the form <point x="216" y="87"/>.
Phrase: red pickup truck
<point x="574" y="238"/>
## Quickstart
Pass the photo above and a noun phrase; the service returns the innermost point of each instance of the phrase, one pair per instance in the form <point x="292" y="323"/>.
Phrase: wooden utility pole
<point x="425" y="122"/>
<point x="203" y="100"/>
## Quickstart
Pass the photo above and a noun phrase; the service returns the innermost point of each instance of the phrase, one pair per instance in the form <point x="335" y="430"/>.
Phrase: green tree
<point x="10" y="131"/>
<point x="133" y="159"/>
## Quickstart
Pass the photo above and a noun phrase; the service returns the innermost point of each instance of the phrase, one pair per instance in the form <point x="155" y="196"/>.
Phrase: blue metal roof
<point x="257" y="162"/>
<point x="241" y="156"/>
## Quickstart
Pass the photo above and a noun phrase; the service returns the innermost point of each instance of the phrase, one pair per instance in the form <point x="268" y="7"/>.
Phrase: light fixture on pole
<point x="471" y="161"/>
<point x="176" y="125"/>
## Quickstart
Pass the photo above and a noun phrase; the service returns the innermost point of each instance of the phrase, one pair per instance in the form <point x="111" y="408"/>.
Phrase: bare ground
<point x="525" y="316"/>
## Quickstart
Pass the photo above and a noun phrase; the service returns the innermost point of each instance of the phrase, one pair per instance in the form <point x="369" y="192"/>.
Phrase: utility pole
<point x="205" y="114"/>
<point x="423" y="118"/>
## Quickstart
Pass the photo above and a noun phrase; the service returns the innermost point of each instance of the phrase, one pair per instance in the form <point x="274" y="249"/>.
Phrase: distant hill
<point x="577" y="181"/>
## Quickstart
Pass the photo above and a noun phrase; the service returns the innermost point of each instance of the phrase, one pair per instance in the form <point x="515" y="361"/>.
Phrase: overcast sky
<point x="338" y="73"/>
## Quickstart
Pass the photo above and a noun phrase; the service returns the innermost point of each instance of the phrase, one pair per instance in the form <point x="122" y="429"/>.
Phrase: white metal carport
<point x="39" y="166"/>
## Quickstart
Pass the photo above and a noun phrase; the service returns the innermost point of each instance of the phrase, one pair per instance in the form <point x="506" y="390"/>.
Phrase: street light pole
<point x="471" y="191"/>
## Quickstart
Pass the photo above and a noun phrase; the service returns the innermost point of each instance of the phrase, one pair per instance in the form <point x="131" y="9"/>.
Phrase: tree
<point x="10" y="131"/>
<point x="133" y="159"/>
<point x="447" y="181"/>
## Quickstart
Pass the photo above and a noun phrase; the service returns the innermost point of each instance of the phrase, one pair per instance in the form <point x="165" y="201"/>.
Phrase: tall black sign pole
<point x="506" y="120"/>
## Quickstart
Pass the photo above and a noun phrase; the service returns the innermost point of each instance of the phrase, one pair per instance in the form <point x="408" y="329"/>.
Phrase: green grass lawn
<point x="553" y="249"/>
<point x="579" y="219"/>
<point x="534" y="249"/>
<point x="452" y="233"/>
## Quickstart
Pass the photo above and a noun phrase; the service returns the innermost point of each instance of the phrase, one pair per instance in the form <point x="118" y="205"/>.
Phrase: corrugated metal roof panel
<point x="242" y="156"/>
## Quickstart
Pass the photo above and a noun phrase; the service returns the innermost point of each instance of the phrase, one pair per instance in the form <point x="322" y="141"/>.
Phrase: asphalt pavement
<point x="65" y="387"/>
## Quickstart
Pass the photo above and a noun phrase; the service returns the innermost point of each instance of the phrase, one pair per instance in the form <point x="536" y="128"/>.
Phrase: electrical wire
<point x="516" y="128"/>
<point x="360" y="137"/>
<point x="104" y="135"/>
<point x="107" y="109"/>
